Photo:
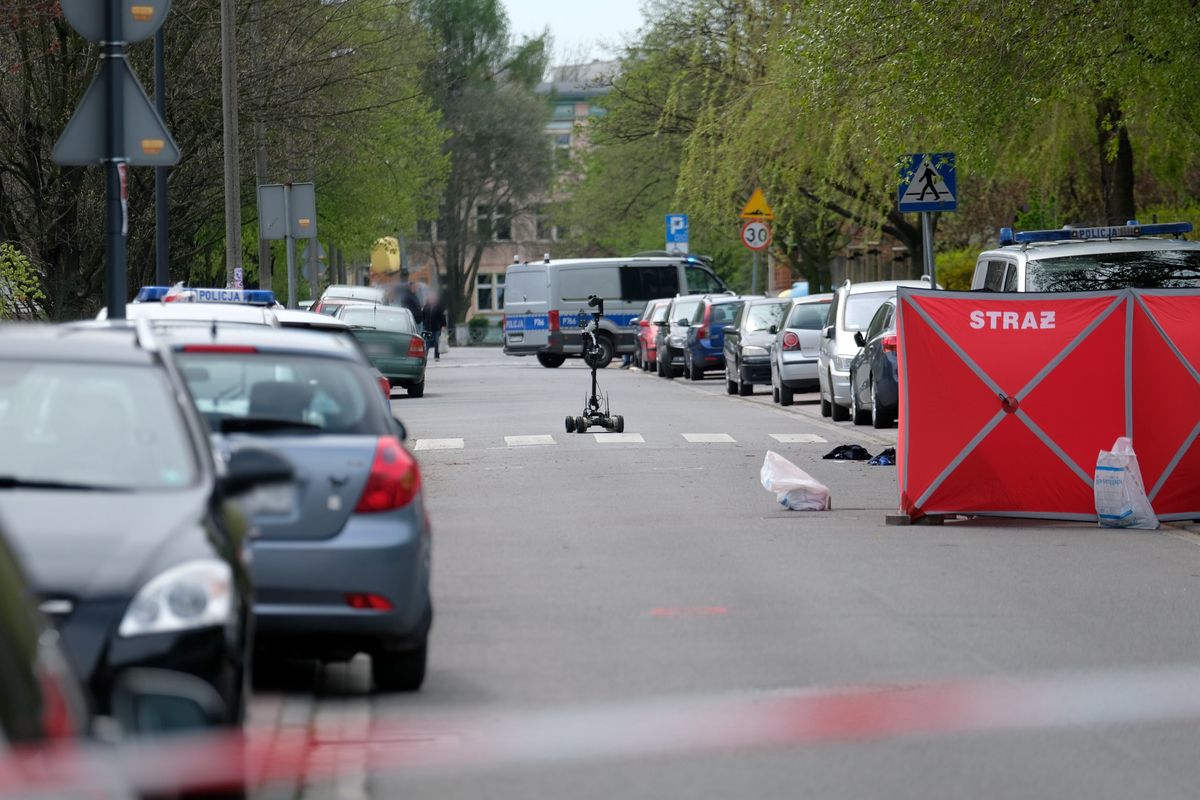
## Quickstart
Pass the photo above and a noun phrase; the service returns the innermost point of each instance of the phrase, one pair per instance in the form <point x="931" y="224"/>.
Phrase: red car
<point x="645" y="352"/>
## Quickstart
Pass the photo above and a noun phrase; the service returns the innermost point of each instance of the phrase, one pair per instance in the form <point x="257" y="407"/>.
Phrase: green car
<point x="390" y="338"/>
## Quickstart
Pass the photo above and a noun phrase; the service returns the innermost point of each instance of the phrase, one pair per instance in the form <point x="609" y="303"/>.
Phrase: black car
<point x="112" y="496"/>
<point x="874" y="387"/>
<point x="748" y="343"/>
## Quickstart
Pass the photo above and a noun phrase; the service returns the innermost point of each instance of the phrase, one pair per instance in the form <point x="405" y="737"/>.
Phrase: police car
<point x="1075" y="259"/>
<point x="178" y="305"/>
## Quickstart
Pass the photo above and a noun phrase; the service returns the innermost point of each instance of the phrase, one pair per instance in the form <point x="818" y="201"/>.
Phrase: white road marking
<point x="526" y="441"/>
<point x="798" y="438"/>
<point x="619" y="438"/>
<point x="438" y="444"/>
<point x="708" y="438"/>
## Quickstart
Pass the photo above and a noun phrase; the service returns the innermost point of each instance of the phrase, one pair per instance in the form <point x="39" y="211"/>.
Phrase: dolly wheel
<point x="618" y="424"/>
<point x="570" y="424"/>
<point x="581" y="425"/>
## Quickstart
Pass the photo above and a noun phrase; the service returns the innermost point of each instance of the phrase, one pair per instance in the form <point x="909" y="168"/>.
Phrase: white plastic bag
<point x="794" y="488"/>
<point x="1120" y="496"/>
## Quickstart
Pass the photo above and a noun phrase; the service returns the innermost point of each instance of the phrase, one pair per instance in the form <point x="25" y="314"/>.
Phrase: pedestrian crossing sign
<point x="928" y="182"/>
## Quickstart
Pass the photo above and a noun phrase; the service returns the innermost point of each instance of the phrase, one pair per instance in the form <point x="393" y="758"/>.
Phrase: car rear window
<point x="660" y="312"/>
<point x="684" y="310"/>
<point x="724" y="313"/>
<point x="762" y="316"/>
<point x="861" y="307"/>
<point x="808" y="316"/>
<point x="285" y="393"/>
<point x="525" y="287"/>
<point x="380" y="318"/>
<point x="1147" y="269"/>
<point x="107" y="426"/>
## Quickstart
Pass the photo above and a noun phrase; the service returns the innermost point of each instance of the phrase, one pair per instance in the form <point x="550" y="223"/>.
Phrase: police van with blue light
<point x="1084" y="259"/>
<point x="179" y="305"/>
<point x="544" y="301"/>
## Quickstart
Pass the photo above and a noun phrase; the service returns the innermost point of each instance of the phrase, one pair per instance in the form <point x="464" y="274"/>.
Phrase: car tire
<point x="859" y="416"/>
<point x="570" y="424"/>
<point x="786" y="395"/>
<point x="826" y="405"/>
<point x="416" y="389"/>
<point x="649" y="364"/>
<point x="665" y="368"/>
<point x="402" y="671"/>
<point x="883" y="418"/>
<point x="730" y="386"/>
<point x="744" y="389"/>
<point x="551" y="360"/>
<point x="774" y="395"/>
<point x="839" y="413"/>
<point x="693" y="373"/>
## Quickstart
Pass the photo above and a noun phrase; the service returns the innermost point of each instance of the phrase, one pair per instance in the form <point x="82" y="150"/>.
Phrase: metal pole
<point x="291" y="246"/>
<point x="754" y="273"/>
<point x="927" y="247"/>
<point x="229" y="110"/>
<point x="314" y="278"/>
<point x="115" y="293"/>
<point x="162" y="246"/>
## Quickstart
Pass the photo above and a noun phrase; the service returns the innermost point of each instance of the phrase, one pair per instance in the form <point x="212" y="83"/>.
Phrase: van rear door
<point x="526" y="309"/>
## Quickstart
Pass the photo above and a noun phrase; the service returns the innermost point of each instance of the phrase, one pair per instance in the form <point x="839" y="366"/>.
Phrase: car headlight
<point x="752" y="350"/>
<point x="842" y="363"/>
<point x="196" y="594"/>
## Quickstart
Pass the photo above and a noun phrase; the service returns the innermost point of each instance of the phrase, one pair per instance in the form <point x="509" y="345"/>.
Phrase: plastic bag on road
<point x="1120" y="496"/>
<point x="794" y="488"/>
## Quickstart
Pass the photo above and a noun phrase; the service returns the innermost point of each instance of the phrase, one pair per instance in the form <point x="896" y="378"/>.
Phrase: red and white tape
<point x="680" y="726"/>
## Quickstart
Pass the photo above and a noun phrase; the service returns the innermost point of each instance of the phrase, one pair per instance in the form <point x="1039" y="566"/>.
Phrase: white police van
<point x="1091" y="259"/>
<point x="544" y="301"/>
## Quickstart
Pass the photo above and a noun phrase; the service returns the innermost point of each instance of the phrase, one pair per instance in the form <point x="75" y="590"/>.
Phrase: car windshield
<point x="861" y="307"/>
<point x="99" y="426"/>
<point x="382" y="318"/>
<point x="1147" y="269"/>
<point x="762" y="316"/>
<point x="265" y="392"/>
<point x="808" y="316"/>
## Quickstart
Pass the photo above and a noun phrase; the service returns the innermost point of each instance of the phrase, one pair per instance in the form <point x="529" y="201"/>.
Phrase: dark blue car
<point x="705" y="348"/>
<point x="874" y="388"/>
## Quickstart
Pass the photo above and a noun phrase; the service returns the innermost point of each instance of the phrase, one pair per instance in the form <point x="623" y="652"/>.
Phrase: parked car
<point x="704" y="345"/>
<point x="113" y="495"/>
<point x="646" y="348"/>
<point x="331" y="305"/>
<point x="342" y="565"/>
<point x="672" y="334"/>
<point x="796" y="347"/>
<point x="1078" y="259"/>
<point x="543" y="301"/>
<point x="365" y="294"/>
<point x="390" y="338"/>
<point x="850" y="311"/>
<point x="874" y="385"/>
<point x="748" y="343"/>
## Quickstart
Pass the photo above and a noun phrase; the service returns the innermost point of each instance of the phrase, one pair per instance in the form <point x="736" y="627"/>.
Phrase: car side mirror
<point x="729" y="329"/>
<point x="684" y="323"/>
<point x="251" y="467"/>
<point x="828" y="332"/>
<point x="774" y="329"/>
<point x="859" y="339"/>
<point x="400" y="429"/>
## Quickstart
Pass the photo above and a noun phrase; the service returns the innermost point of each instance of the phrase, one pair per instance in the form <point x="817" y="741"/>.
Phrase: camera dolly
<point x="596" y="411"/>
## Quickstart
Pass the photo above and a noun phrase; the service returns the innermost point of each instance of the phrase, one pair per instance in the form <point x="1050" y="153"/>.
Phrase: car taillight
<point x="366" y="601"/>
<point x="219" y="348"/>
<point x="416" y="347"/>
<point x="791" y="341"/>
<point x="56" y="709"/>
<point x="394" y="481"/>
<point x="386" y="386"/>
<point x="889" y="343"/>
<point x="554" y="321"/>
<point x="702" y="331"/>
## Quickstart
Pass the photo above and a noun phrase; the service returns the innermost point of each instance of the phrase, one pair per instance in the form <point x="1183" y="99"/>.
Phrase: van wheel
<point x="551" y="360"/>
<point x="786" y="395"/>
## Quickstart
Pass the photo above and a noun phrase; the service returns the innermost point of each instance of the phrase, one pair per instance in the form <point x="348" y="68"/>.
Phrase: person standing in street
<point x="411" y="300"/>
<point x="433" y="319"/>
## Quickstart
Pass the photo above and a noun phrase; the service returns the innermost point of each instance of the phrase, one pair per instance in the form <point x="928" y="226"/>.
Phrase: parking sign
<point x="677" y="233"/>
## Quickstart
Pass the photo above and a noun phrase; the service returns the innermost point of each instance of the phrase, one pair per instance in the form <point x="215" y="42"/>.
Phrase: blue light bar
<point x="1130" y="230"/>
<point x="250" y="297"/>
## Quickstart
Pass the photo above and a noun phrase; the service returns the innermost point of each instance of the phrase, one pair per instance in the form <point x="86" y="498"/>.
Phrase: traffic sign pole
<point x="290" y="247"/>
<point x="116" y="283"/>
<point x="754" y="273"/>
<point x="162" y="251"/>
<point x="927" y="247"/>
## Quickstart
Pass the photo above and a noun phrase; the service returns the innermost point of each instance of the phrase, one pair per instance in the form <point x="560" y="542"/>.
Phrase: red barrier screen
<point x="1006" y="400"/>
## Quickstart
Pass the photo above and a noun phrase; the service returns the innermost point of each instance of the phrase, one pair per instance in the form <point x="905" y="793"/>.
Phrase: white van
<point x="543" y="301"/>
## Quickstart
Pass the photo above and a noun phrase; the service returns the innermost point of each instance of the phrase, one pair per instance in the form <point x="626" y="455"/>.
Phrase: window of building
<point x="489" y="292"/>
<point x="564" y="111"/>
<point x="544" y="228"/>
<point x="483" y="221"/>
<point x="562" y="141"/>
<point x="494" y="224"/>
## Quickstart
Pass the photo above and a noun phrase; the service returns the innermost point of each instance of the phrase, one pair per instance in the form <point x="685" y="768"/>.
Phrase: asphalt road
<point x="582" y="571"/>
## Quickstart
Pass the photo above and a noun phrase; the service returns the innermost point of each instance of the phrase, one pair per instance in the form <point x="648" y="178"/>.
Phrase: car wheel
<point x="883" y="418"/>
<point x="730" y="386"/>
<point x="774" y="395"/>
<point x="651" y="365"/>
<point x="399" y="671"/>
<point x="826" y="405"/>
<point x="693" y="373"/>
<point x="570" y="424"/>
<point x="839" y="413"/>
<point x="417" y="389"/>
<point x="605" y="345"/>
<point x="786" y="395"/>
<point x="744" y="389"/>
<point x="858" y="415"/>
<point x="551" y="360"/>
<point x="665" y="369"/>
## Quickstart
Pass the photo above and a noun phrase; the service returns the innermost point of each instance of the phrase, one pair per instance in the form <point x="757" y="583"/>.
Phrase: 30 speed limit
<point x="756" y="234"/>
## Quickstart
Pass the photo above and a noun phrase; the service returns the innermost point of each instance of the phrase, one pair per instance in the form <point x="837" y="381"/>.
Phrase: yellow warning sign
<point x="757" y="207"/>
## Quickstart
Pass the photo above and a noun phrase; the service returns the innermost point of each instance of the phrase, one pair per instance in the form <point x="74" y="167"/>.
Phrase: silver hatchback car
<point x="797" y="345"/>
<point x="340" y="561"/>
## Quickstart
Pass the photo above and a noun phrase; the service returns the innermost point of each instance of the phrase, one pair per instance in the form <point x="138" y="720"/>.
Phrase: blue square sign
<point x="677" y="233"/>
<point x="929" y="183"/>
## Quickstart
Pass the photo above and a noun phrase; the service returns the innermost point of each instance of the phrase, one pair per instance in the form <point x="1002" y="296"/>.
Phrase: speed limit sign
<point x="756" y="234"/>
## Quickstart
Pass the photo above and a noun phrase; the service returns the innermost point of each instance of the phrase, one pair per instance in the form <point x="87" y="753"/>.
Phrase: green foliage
<point x="20" y="289"/>
<point x="477" y="328"/>
<point x="955" y="268"/>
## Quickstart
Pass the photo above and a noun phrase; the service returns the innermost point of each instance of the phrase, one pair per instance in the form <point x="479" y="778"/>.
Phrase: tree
<point x="19" y="290"/>
<point x="500" y="160"/>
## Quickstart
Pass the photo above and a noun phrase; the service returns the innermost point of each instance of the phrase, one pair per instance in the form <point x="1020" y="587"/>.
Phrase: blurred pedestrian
<point x="433" y="319"/>
<point x="410" y="300"/>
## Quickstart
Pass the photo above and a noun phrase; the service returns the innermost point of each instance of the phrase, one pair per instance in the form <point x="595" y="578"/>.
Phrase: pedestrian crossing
<point x="548" y="440"/>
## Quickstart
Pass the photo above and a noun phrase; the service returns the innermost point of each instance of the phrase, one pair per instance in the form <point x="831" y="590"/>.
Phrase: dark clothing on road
<point x="408" y="299"/>
<point x="433" y="319"/>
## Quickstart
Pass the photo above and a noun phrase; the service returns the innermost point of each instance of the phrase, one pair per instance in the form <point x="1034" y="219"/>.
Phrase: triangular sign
<point x="757" y="208"/>
<point x="147" y="142"/>
<point x="927" y="185"/>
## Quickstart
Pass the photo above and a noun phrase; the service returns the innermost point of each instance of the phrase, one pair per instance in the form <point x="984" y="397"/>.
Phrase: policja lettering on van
<point x="1012" y="320"/>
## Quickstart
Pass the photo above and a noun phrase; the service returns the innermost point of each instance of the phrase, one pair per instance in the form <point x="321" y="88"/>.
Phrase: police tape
<point x="681" y="726"/>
